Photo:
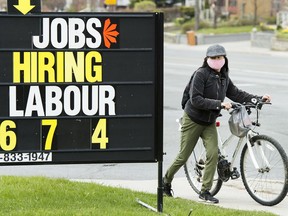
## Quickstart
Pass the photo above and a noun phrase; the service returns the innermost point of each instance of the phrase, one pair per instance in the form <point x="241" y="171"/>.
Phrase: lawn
<point x="49" y="196"/>
<point x="226" y="30"/>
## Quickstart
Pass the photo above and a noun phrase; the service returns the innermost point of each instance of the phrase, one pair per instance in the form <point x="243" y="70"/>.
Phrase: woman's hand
<point x="266" y="98"/>
<point x="226" y="105"/>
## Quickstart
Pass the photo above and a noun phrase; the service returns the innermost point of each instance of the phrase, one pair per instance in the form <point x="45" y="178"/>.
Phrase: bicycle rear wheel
<point x="267" y="185"/>
<point x="194" y="170"/>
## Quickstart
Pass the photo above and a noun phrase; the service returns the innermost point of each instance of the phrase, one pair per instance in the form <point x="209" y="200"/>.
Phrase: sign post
<point x="80" y="87"/>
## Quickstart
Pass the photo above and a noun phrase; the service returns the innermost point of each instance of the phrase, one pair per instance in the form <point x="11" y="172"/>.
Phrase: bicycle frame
<point x="249" y="135"/>
<point x="239" y="146"/>
<point x="223" y="145"/>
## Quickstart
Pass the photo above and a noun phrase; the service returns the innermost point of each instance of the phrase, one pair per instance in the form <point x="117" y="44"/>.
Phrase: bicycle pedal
<point x="235" y="174"/>
<point x="200" y="165"/>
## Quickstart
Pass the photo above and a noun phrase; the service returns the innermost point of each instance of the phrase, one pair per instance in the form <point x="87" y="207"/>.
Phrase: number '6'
<point x="7" y="137"/>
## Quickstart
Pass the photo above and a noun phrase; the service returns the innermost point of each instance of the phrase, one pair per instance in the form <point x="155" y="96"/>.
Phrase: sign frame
<point x="7" y="124"/>
<point x="153" y="153"/>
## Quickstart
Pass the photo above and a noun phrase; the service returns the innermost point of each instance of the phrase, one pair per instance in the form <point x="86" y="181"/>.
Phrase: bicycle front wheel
<point x="194" y="170"/>
<point x="267" y="184"/>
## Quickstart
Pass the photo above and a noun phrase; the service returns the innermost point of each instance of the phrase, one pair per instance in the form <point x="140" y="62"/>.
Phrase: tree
<point x="197" y="15"/>
<point x="255" y="12"/>
<point x="216" y="7"/>
<point x="54" y="5"/>
<point x="145" y="6"/>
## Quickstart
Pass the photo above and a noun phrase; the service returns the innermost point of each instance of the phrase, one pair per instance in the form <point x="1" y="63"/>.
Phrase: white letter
<point x="45" y="35"/>
<point x="103" y="89"/>
<point x="62" y="34"/>
<point x="93" y="96"/>
<point x="53" y="104"/>
<point x="94" y="33"/>
<point x="13" y="103"/>
<point x="34" y="96"/>
<point x="72" y="104"/>
<point x="76" y="36"/>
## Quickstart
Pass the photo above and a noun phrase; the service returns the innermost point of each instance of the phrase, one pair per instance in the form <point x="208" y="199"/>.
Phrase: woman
<point x="208" y="89"/>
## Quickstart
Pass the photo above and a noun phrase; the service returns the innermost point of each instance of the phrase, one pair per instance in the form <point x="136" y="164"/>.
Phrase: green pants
<point x="190" y="133"/>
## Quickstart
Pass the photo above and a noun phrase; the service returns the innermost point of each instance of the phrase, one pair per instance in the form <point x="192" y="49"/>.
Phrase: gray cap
<point x="216" y="50"/>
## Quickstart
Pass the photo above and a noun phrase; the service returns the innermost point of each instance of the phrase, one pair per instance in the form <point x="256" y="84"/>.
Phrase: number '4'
<point x="99" y="136"/>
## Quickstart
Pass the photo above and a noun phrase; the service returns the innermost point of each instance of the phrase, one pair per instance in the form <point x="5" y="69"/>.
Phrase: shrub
<point x="170" y="13"/>
<point x="133" y="2"/>
<point x="188" y="26"/>
<point x="282" y="34"/>
<point x="265" y="27"/>
<point x="237" y="22"/>
<point x="145" y="6"/>
<point x="271" y="20"/>
<point x="187" y="12"/>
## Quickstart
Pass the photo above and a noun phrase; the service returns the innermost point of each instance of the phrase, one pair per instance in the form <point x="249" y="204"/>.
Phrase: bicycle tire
<point x="269" y="184"/>
<point x="193" y="173"/>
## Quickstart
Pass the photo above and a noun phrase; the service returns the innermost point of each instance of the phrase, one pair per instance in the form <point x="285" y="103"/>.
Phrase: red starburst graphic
<point x="109" y="33"/>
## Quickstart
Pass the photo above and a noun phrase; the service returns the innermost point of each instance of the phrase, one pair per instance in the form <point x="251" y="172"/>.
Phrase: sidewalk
<point x="232" y="194"/>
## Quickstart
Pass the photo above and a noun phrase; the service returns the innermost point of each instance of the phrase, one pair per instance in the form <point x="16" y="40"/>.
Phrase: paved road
<point x="255" y="70"/>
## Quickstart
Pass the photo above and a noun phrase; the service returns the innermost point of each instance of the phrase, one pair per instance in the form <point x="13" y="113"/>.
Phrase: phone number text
<point x="25" y="157"/>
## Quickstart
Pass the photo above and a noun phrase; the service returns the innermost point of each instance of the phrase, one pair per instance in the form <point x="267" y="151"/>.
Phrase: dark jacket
<point x="207" y="90"/>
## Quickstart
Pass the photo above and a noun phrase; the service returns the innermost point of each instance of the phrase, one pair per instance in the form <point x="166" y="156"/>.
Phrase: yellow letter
<point x="96" y="75"/>
<point x="19" y="67"/>
<point x="60" y="67"/>
<point x="34" y="70"/>
<point x="76" y="67"/>
<point x="46" y="63"/>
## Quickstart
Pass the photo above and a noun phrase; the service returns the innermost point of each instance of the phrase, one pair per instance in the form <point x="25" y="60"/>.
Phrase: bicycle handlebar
<point x="255" y="103"/>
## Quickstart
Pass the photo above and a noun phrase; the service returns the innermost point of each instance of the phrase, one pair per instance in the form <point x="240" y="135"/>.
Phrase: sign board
<point x="110" y="2"/>
<point x="81" y="88"/>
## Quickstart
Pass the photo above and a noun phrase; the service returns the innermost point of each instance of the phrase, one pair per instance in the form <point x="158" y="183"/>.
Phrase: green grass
<point x="226" y="30"/>
<point x="282" y="35"/>
<point x="44" y="196"/>
<point x="218" y="30"/>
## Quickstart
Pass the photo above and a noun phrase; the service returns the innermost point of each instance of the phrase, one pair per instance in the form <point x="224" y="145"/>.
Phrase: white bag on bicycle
<point x="239" y="121"/>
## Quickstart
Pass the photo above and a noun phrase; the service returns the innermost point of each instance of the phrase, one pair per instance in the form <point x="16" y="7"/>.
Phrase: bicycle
<point x="263" y="164"/>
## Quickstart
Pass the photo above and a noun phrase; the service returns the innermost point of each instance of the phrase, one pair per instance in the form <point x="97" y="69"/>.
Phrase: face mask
<point x="216" y="64"/>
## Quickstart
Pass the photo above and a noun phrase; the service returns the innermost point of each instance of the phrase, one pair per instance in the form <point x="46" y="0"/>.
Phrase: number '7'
<point x="53" y="124"/>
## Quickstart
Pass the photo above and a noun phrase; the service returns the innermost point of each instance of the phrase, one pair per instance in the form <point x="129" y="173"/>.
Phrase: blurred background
<point x="265" y="22"/>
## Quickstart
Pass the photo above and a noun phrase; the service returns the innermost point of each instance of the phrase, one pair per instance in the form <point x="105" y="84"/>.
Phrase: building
<point x="242" y="9"/>
<point x="249" y="8"/>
